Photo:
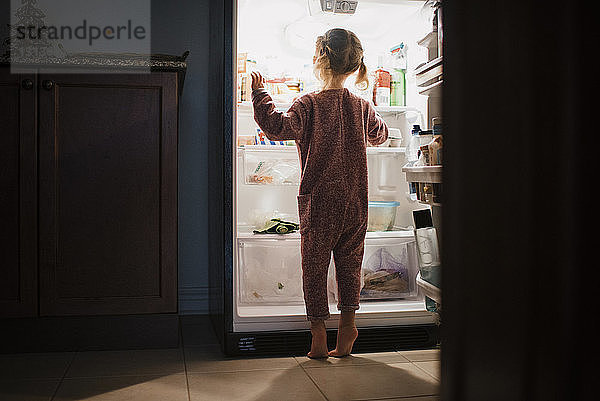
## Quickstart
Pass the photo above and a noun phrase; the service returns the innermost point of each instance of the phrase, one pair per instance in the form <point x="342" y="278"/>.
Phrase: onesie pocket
<point x="304" y="212"/>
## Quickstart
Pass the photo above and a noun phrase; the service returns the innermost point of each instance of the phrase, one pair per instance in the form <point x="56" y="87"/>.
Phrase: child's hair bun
<point x="340" y="52"/>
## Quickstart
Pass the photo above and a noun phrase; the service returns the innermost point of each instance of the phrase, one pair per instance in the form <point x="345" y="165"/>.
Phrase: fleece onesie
<point x="331" y="129"/>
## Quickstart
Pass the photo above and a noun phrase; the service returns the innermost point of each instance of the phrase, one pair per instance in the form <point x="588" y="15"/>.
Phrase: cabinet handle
<point x="48" y="85"/>
<point x="27" y="84"/>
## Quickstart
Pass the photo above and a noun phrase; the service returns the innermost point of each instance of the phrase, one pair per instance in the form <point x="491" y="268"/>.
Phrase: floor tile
<point x="431" y="367"/>
<point x="127" y="362"/>
<point x="424" y="398"/>
<point x="264" y="385"/>
<point x="198" y="335"/>
<point x="194" y="319"/>
<point x="422" y="355"/>
<point x="28" y="390"/>
<point x="34" y="366"/>
<point x="130" y="388"/>
<point x="202" y="359"/>
<point x="354" y="359"/>
<point x="373" y="381"/>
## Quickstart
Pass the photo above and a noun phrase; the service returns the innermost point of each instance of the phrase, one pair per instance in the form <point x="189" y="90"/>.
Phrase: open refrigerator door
<point x="278" y="39"/>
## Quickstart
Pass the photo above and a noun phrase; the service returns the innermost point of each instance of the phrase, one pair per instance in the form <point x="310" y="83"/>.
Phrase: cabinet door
<point x="18" y="209"/>
<point x="108" y="194"/>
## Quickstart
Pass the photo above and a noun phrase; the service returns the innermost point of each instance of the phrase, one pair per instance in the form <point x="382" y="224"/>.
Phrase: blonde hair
<point x="339" y="52"/>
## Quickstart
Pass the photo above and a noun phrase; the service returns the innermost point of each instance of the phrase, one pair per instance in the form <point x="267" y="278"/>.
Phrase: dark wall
<point x="177" y="26"/>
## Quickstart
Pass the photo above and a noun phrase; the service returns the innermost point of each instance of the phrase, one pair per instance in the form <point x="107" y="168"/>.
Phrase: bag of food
<point x="386" y="275"/>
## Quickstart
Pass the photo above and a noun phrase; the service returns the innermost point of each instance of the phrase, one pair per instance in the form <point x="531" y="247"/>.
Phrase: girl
<point x="331" y="128"/>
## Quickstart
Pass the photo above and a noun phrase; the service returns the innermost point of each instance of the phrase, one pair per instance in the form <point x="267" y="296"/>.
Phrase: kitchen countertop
<point x="101" y="63"/>
<point x="99" y="60"/>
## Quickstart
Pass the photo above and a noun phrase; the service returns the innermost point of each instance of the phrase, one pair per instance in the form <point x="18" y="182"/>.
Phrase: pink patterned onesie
<point x="331" y="129"/>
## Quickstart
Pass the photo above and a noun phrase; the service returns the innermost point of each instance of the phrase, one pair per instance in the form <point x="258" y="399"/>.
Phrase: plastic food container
<point x="243" y="140"/>
<point x="394" y="137"/>
<point x="382" y="215"/>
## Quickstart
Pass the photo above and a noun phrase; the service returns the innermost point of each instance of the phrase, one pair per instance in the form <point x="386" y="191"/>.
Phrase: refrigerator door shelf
<point x="429" y="72"/>
<point x="430" y="41"/>
<point x="431" y="174"/>
<point x="434" y="89"/>
<point x="429" y="289"/>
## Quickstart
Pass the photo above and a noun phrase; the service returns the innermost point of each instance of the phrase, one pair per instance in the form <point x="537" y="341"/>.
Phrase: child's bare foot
<point x="345" y="340"/>
<point x="347" y="334"/>
<point x="318" y="348"/>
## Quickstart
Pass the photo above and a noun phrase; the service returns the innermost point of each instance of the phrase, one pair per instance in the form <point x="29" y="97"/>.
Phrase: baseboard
<point x="81" y="333"/>
<point x="193" y="300"/>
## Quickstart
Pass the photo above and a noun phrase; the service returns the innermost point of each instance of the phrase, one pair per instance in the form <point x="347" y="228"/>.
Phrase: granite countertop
<point x="105" y="60"/>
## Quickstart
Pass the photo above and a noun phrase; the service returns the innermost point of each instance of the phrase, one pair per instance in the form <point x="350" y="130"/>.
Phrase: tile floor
<point x="198" y="371"/>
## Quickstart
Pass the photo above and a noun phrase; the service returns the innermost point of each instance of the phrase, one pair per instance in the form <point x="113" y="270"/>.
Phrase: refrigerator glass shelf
<point x="247" y="106"/>
<point x="394" y="109"/>
<point x="245" y="235"/>
<point x="293" y="149"/>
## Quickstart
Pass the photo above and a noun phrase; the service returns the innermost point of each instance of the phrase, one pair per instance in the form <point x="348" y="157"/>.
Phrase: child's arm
<point x="276" y="125"/>
<point x="377" y="129"/>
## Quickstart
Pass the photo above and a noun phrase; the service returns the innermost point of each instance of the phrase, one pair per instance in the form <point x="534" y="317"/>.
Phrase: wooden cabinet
<point x="108" y="194"/>
<point x="18" y="196"/>
<point x="89" y="212"/>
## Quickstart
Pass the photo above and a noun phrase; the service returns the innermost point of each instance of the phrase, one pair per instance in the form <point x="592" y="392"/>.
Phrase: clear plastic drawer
<point x="270" y="271"/>
<point x="389" y="270"/>
<point x="271" y="165"/>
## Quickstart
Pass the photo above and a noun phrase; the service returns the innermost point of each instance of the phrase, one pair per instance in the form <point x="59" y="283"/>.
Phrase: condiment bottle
<point x="427" y="246"/>
<point x="381" y="89"/>
<point x="435" y="146"/>
<point x="413" y="145"/>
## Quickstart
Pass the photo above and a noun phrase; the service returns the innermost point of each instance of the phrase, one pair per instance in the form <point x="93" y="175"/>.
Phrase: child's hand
<point x="257" y="80"/>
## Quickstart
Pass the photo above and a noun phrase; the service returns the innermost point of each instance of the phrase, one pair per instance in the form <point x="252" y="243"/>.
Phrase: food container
<point x="395" y="137"/>
<point x="385" y="144"/>
<point x="382" y="215"/>
<point x="244" y="140"/>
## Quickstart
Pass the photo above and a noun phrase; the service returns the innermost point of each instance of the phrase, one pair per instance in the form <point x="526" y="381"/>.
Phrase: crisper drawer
<point x="389" y="268"/>
<point x="271" y="165"/>
<point x="270" y="271"/>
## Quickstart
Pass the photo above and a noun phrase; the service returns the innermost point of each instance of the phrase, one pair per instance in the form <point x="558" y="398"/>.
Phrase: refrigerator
<point x="256" y="298"/>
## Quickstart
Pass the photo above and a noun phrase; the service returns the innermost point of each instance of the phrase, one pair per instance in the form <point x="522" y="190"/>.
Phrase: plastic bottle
<point x="428" y="253"/>
<point x="398" y="76"/>
<point x="398" y="88"/>
<point x="436" y="145"/>
<point x="381" y="89"/>
<point x="413" y="144"/>
<point x="425" y="137"/>
<point x="436" y="123"/>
